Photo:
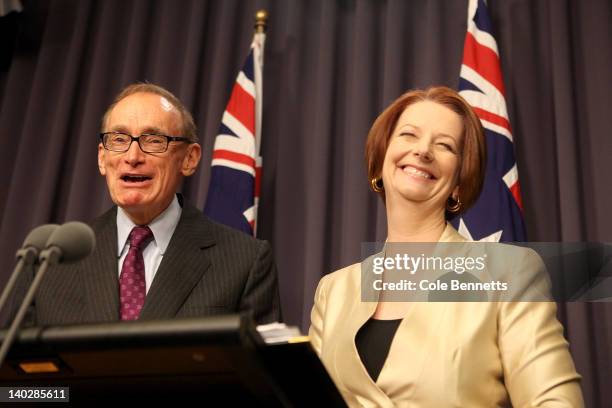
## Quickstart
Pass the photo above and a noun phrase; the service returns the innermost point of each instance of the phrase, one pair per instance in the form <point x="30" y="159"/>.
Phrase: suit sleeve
<point x="538" y="367"/>
<point x="261" y="295"/>
<point x="316" y="318"/>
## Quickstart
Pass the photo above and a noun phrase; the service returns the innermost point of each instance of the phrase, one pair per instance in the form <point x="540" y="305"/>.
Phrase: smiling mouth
<point x="413" y="171"/>
<point x="129" y="178"/>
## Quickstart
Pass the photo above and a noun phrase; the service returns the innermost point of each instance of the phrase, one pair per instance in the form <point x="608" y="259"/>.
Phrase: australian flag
<point x="233" y="193"/>
<point x="497" y="215"/>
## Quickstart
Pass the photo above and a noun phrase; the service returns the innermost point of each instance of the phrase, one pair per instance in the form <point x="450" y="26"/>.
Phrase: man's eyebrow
<point x="119" y="128"/>
<point x="149" y="130"/>
<point x="153" y="130"/>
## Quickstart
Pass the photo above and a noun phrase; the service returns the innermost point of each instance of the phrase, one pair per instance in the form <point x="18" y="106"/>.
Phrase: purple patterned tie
<point x="132" y="287"/>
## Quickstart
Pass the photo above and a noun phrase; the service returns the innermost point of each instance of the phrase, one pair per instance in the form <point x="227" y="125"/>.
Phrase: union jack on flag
<point x="497" y="215"/>
<point x="233" y="193"/>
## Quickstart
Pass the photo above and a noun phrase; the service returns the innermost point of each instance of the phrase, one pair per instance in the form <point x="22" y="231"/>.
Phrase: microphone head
<point x="75" y="240"/>
<point x="37" y="238"/>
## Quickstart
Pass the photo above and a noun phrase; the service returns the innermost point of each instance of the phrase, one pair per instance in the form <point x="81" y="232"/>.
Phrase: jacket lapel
<point x="415" y="337"/>
<point x="347" y="359"/>
<point x="100" y="273"/>
<point x="411" y="348"/>
<point x="182" y="267"/>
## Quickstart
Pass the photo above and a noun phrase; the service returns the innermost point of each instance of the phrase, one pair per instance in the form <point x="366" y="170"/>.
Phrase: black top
<point x="373" y="342"/>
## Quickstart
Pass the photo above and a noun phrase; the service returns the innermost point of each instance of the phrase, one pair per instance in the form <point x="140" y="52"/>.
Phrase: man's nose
<point x="134" y="154"/>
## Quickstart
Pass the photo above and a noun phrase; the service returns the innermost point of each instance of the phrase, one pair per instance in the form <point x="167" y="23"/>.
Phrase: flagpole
<point x="259" y="39"/>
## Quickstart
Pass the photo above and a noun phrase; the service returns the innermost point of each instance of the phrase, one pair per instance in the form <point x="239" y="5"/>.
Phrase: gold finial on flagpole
<point x="261" y="21"/>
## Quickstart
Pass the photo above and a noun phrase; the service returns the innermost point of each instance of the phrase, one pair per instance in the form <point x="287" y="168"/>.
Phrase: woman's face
<point x="424" y="155"/>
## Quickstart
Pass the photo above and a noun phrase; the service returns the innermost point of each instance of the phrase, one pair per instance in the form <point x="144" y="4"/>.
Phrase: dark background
<point x="330" y="68"/>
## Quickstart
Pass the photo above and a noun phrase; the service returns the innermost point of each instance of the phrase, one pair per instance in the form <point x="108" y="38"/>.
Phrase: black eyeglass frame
<point x="137" y="139"/>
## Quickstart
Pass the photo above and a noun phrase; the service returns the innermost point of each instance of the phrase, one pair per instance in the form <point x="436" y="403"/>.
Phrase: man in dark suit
<point x="156" y="257"/>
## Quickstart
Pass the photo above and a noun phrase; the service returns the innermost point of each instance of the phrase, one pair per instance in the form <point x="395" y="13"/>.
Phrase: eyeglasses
<point x="149" y="143"/>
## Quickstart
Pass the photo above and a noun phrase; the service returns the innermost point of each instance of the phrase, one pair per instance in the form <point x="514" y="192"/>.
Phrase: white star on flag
<point x="463" y="230"/>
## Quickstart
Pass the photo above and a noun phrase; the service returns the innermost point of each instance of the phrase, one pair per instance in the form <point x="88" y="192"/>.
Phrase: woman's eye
<point x="410" y="134"/>
<point x="446" y="146"/>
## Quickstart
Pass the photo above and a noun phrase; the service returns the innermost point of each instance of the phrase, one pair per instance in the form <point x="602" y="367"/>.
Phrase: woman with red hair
<point x="426" y="158"/>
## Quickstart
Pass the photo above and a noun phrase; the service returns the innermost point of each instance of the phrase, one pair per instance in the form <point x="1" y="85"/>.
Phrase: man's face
<point x="144" y="184"/>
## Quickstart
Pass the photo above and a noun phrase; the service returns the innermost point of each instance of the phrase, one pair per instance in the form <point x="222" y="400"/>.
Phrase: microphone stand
<point x="26" y="256"/>
<point x="50" y="256"/>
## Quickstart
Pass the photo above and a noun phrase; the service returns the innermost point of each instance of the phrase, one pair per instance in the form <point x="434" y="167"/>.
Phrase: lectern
<point x="213" y="361"/>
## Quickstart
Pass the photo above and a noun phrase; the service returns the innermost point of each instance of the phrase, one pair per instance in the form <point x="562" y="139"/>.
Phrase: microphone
<point x="69" y="243"/>
<point x="27" y="255"/>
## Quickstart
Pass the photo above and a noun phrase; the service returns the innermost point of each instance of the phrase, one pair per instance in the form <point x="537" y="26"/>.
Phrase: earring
<point x="453" y="204"/>
<point x="377" y="185"/>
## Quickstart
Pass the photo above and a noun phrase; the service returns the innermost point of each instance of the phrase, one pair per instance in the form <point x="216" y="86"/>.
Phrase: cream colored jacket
<point x="452" y="354"/>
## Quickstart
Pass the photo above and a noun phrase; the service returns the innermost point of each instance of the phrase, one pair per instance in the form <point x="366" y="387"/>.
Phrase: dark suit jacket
<point x="208" y="269"/>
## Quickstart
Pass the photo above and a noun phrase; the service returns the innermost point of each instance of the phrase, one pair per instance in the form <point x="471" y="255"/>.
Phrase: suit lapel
<point x="411" y="347"/>
<point x="408" y="352"/>
<point x="182" y="267"/>
<point x="347" y="359"/>
<point x="415" y="338"/>
<point x="100" y="274"/>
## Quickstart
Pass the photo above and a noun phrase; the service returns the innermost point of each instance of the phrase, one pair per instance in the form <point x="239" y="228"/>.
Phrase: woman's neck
<point x="411" y="222"/>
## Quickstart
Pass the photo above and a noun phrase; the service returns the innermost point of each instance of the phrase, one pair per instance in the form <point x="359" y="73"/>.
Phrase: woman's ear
<point x="455" y="193"/>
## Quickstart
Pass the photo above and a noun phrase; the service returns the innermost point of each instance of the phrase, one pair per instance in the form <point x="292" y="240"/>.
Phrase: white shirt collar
<point x="162" y="226"/>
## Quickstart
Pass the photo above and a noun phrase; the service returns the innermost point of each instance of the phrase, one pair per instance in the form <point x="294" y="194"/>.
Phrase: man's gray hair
<point x="188" y="128"/>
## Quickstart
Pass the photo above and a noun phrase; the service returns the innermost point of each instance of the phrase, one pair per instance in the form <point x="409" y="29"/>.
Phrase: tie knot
<point x="140" y="236"/>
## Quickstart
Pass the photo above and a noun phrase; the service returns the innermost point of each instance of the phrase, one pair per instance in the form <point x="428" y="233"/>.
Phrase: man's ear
<point x="191" y="159"/>
<point x="101" y="155"/>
